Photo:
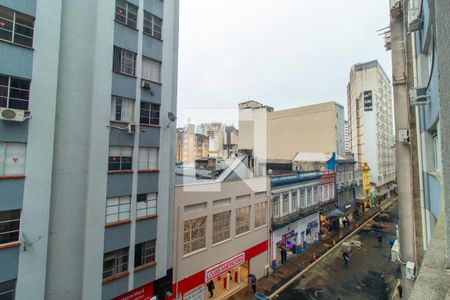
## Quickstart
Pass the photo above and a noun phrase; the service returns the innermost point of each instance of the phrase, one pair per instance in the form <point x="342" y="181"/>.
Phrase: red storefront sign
<point x="224" y="266"/>
<point x="144" y="292"/>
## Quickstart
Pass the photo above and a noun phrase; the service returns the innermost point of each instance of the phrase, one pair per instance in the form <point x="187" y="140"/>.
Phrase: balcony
<point x="278" y="222"/>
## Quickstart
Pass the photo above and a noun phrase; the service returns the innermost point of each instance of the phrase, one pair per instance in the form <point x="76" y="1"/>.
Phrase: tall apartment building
<point x="85" y="195"/>
<point x="281" y="134"/>
<point x="370" y="123"/>
<point x="230" y="146"/>
<point x="348" y="145"/>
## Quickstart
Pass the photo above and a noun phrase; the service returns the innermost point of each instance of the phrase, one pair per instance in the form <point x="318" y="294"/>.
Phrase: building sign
<point x="229" y="264"/>
<point x="368" y="101"/>
<point x="196" y="294"/>
<point x="144" y="292"/>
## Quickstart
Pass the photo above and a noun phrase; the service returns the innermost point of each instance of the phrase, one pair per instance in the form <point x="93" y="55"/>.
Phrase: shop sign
<point x="195" y="294"/>
<point x="144" y="292"/>
<point x="224" y="266"/>
<point x="368" y="101"/>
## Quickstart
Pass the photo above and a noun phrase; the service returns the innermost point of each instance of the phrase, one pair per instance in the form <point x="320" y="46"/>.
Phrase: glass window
<point x="285" y="204"/>
<point x="9" y="226"/>
<point x="194" y="235"/>
<point x="144" y="253"/>
<point x="148" y="158"/>
<point x="122" y="109"/>
<point x="120" y="158"/>
<point x="151" y="69"/>
<point x="117" y="209"/>
<point x="124" y="61"/>
<point x="276" y="206"/>
<point x="146" y="204"/>
<point x="14" y="92"/>
<point x="8" y="289"/>
<point x="221" y="226"/>
<point x="149" y="113"/>
<point x="12" y="158"/>
<point x="115" y="262"/>
<point x="152" y="25"/>
<point x="242" y="219"/>
<point x="16" y="27"/>
<point x="126" y="13"/>
<point x="302" y="198"/>
<point x="260" y="214"/>
<point x="293" y="201"/>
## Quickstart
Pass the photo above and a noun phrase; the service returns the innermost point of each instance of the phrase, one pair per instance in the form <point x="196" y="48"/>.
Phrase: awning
<point x="382" y="192"/>
<point x="361" y="198"/>
<point x="333" y="213"/>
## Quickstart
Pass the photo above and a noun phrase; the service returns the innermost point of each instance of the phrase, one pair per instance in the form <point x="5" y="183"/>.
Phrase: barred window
<point x="126" y="13"/>
<point x="152" y="25"/>
<point x="124" y="61"/>
<point x="9" y="226"/>
<point x="16" y="27"/>
<point x="117" y="209"/>
<point x="144" y="253"/>
<point x="120" y="158"/>
<point x="260" y="214"/>
<point x="194" y="235"/>
<point x="149" y="113"/>
<point x="221" y="226"/>
<point x="242" y="219"/>
<point x="115" y="262"/>
<point x="14" y="92"/>
<point x="146" y="204"/>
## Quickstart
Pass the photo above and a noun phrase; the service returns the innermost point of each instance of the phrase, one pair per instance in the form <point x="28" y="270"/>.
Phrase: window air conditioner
<point x="145" y="84"/>
<point x="131" y="128"/>
<point x="9" y="114"/>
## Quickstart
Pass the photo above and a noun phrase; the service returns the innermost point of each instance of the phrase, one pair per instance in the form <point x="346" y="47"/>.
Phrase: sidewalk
<point x="295" y="264"/>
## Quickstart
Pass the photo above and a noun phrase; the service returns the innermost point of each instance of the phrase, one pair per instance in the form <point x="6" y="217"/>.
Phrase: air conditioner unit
<point x="145" y="84"/>
<point x="131" y="128"/>
<point x="418" y="96"/>
<point x="9" y="114"/>
<point x="414" y="20"/>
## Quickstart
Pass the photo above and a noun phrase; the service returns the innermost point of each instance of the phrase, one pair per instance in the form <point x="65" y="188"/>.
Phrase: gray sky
<point x="283" y="53"/>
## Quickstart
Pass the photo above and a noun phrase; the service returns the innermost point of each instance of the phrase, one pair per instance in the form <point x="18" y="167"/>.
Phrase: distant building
<point x="230" y="145"/>
<point x="370" y="123"/>
<point x="270" y="134"/>
<point x="348" y="145"/>
<point x="191" y="145"/>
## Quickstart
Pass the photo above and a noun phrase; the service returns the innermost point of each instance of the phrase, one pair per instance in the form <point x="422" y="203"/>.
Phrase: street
<point x="369" y="274"/>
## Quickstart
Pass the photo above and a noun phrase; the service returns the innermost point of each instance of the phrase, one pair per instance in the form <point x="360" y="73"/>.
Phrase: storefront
<point x="295" y="237"/>
<point x="144" y="292"/>
<point x="329" y="221"/>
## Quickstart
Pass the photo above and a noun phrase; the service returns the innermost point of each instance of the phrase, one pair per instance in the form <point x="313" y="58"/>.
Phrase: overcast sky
<point x="283" y="53"/>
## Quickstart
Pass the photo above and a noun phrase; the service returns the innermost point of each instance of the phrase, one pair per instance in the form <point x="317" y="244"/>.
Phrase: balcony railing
<point x="281" y="221"/>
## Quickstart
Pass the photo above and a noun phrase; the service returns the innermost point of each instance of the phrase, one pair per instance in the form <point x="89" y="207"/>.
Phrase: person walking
<point x="252" y="281"/>
<point x="346" y="258"/>
<point x="211" y="288"/>
<point x="283" y="255"/>
<point x="380" y="239"/>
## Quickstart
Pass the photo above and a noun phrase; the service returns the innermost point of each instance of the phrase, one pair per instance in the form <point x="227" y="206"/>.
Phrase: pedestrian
<point x="252" y="281"/>
<point x="346" y="258"/>
<point x="380" y="239"/>
<point x="211" y="288"/>
<point x="283" y="255"/>
<point x="400" y="290"/>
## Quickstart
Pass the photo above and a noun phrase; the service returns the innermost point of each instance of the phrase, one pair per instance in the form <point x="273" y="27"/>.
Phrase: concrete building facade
<point x="84" y="193"/>
<point x="370" y="123"/>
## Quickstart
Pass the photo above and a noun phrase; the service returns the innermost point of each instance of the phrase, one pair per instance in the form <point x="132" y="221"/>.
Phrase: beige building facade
<point x="221" y="234"/>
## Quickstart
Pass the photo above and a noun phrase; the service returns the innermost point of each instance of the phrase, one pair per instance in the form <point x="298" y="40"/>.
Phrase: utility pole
<point x="404" y="149"/>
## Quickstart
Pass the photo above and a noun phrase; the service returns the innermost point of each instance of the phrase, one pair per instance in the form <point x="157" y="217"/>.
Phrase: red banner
<point x="144" y="292"/>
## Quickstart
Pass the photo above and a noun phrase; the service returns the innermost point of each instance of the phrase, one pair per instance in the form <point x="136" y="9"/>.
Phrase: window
<point x="146" y="204"/>
<point x="115" y="262"/>
<point x="148" y="158"/>
<point x="124" y="61"/>
<point x="293" y="200"/>
<point x="144" y="253"/>
<point x="16" y="27"/>
<point x="117" y="209"/>
<point x="151" y="69"/>
<point x="149" y="113"/>
<point x="122" y="109"/>
<point x="126" y="13"/>
<point x="12" y="158"/>
<point x="436" y="152"/>
<point x="152" y="25"/>
<point x="120" y="158"/>
<point x="315" y="195"/>
<point x="14" y="92"/>
<point x="260" y="214"/>
<point x="194" y="234"/>
<point x="8" y="289"/>
<point x="242" y="219"/>
<point x="285" y="204"/>
<point x="276" y="206"/>
<point x="221" y="226"/>
<point x="302" y="198"/>
<point x="9" y="226"/>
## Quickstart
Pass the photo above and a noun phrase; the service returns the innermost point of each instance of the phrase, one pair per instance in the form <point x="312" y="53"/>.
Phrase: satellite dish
<point x="171" y="116"/>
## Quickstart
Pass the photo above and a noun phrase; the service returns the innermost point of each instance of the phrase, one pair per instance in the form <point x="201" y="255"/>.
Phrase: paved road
<point x="369" y="275"/>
